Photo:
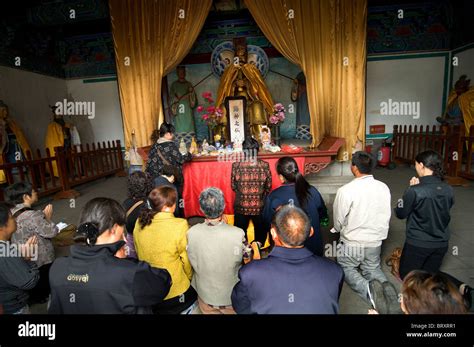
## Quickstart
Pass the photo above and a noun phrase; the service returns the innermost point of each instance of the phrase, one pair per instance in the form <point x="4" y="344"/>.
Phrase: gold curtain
<point x="327" y="39"/>
<point x="151" y="37"/>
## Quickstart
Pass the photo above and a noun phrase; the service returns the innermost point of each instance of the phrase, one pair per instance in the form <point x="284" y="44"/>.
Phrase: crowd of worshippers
<point x="143" y="257"/>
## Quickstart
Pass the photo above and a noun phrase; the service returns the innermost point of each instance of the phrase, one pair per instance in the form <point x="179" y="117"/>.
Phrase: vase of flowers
<point x="210" y="114"/>
<point x="275" y="120"/>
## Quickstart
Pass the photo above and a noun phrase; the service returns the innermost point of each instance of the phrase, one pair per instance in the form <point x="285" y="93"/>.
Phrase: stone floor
<point x="459" y="261"/>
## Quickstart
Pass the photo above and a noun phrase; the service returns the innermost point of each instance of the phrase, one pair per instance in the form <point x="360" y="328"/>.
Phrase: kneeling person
<point x="292" y="279"/>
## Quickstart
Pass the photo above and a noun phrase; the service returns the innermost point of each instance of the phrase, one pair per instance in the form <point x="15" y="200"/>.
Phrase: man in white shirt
<point x="361" y="213"/>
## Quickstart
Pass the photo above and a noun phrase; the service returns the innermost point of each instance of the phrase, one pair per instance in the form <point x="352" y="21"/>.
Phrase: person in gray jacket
<point x="215" y="251"/>
<point x="17" y="273"/>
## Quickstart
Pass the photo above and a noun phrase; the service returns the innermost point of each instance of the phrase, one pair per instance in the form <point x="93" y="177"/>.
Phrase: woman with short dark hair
<point x="34" y="222"/>
<point x="426" y="205"/>
<point x="160" y="239"/>
<point x="296" y="191"/>
<point x="93" y="280"/>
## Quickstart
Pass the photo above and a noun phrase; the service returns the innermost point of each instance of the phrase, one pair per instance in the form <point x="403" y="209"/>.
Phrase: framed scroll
<point x="236" y="107"/>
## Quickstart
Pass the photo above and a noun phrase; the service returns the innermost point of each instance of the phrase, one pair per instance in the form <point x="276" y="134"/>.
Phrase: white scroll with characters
<point x="236" y="117"/>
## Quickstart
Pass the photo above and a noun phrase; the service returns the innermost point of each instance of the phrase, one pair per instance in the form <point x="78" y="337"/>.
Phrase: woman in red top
<point x="251" y="181"/>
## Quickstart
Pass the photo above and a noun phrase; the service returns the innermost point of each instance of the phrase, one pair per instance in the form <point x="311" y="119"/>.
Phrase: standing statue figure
<point x="182" y="105"/>
<point x="58" y="134"/>
<point x="244" y="79"/>
<point x="460" y="106"/>
<point x="13" y="143"/>
<point x="298" y="94"/>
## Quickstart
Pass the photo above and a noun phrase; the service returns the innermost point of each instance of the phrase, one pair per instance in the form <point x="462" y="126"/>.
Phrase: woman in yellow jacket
<point x="160" y="240"/>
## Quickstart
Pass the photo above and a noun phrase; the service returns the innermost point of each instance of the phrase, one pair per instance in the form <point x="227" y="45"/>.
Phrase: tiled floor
<point x="459" y="262"/>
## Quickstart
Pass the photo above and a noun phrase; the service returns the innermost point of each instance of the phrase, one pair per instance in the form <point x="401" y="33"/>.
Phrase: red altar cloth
<point x="203" y="172"/>
<point x="199" y="175"/>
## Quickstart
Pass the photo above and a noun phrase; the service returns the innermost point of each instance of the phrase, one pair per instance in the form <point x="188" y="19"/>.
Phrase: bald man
<point x="292" y="280"/>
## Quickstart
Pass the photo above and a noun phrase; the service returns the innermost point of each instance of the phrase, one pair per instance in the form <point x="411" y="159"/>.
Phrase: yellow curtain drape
<point x="327" y="39"/>
<point x="151" y="37"/>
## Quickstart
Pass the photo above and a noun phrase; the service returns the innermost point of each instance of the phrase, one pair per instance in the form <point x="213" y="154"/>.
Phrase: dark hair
<point x="426" y="293"/>
<point x="155" y="135"/>
<point x="97" y="216"/>
<point x="292" y="225"/>
<point x="166" y="128"/>
<point x="363" y="161"/>
<point x="250" y="144"/>
<point x="16" y="191"/>
<point x="5" y="214"/>
<point x="139" y="185"/>
<point x="159" y="197"/>
<point x="288" y="168"/>
<point x="432" y="160"/>
<point x="168" y="170"/>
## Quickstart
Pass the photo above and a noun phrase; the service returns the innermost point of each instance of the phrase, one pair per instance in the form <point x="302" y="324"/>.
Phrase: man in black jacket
<point x="426" y="205"/>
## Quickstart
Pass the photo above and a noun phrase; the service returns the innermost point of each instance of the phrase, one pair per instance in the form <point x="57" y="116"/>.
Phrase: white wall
<point x="465" y="65"/>
<point x="414" y="80"/>
<point x="28" y="95"/>
<point x="107" y="124"/>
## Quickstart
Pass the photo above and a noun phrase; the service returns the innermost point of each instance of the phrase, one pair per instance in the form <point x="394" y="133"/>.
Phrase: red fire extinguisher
<point x="383" y="155"/>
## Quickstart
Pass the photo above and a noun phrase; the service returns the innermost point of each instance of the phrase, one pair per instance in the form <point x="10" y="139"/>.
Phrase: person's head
<point x="169" y="172"/>
<point x="7" y="223"/>
<point x="362" y="164"/>
<point x="160" y="199"/>
<point x="288" y="171"/>
<point x="211" y="201"/>
<point x="290" y="227"/>
<point x="250" y="145"/>
<point x="102" y="221"/>
<point x="139" y="185"/>
<point x="429" y="163"/>
<point x="167" y="131"/>
<point x="181" y="72"/>
<point x="21" y="193"/>
<point x="425" y="293"/>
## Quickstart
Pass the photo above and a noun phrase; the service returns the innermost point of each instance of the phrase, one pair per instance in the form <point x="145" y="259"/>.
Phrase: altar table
<point x="208" y="171"/>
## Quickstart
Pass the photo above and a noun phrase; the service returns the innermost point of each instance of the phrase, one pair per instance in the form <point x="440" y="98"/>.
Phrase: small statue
<point x="193" y="149"/>
<point x="182" y="147"/>
<point x="265" y="137"/>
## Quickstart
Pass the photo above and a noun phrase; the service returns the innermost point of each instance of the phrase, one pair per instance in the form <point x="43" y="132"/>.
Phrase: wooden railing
<point x="449" y="141"/>
<point x="465" y="168"/>
<point x="74" y="166"/>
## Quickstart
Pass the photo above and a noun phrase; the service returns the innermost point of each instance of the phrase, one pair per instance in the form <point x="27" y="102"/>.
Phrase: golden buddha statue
<point x="244" y="79"/>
